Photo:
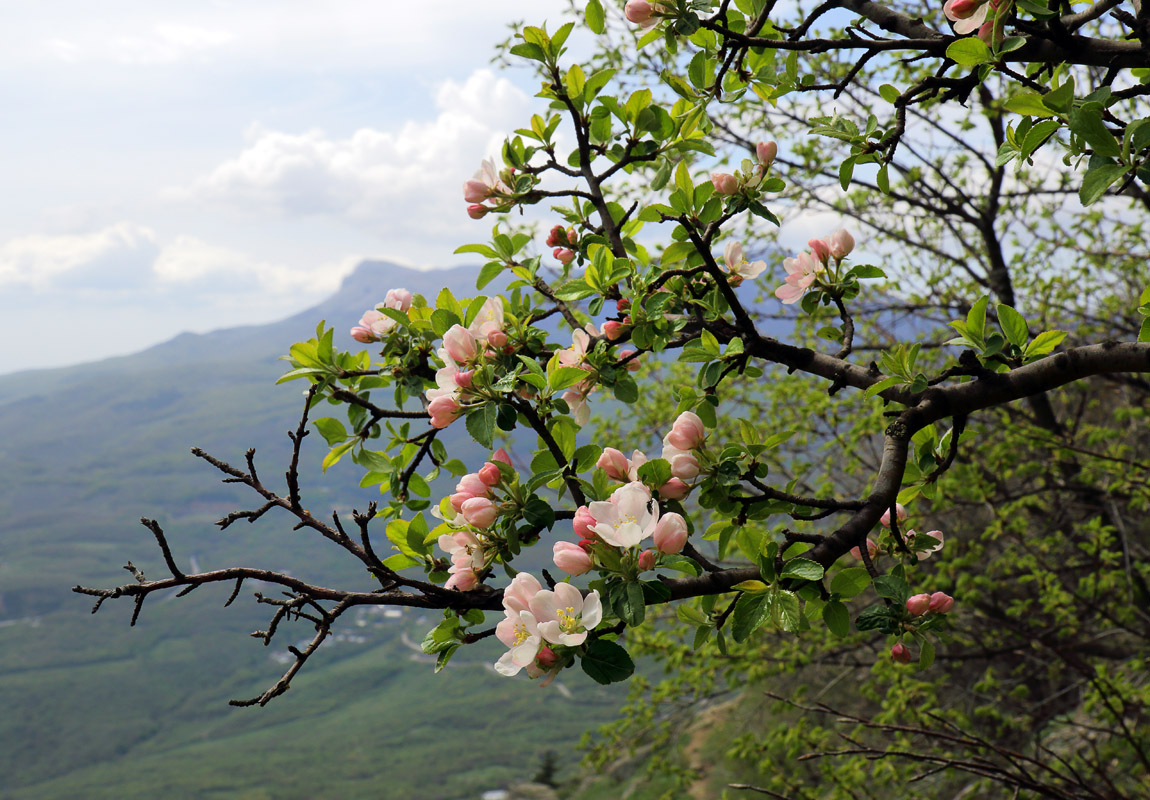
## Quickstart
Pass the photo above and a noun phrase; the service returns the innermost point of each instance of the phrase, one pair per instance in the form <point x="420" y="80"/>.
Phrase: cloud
<point x="163" y="43"/>
<point x="403" y="182"/>
<point x="116" y="257"/>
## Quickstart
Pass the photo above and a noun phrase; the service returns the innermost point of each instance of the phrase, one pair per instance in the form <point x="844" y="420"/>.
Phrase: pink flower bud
<point x="871" y="549"/>
<point x="444" y="411"/>
<point x="687" y="431"/>
<point x="765" y="152"/>
<point x="464" y="580"/>
<point x="546" y="657"/>
<point x="670" y="533"/>
<point x="557" y="237"/>
<point x="477" y="211"/>
<point x="563" y="255"/>
<point x="471" y="484"/>
<point x="583" y="522"/>
<point x="623" y="305"/>
<point x="633" y="365"/>
<point x="463" y="379"/>
<point x="901" y="654"/>
<point x="399" y="299"/>
<point x="460" y="344"/>
<point x="475" y="191"/>
<point x="639" y="12"/>
<point x="674" y="489"/>
<point x="613" y="330"/>
<point x="490" y="474"/>
<point x="840" y="243"/>
<point x="501" y="455"/>
<point x="962" y="9"/>
<point x="918" y="605"/>
<point x="361" y="334"/>
<point x="819" y="249"/>
<point x="725" y="183"/>
<point x="497" y="338"/>
<point x="900" y="513"/>
<point x="571" y="558"/>
<point x="479" y="512"/>
<point x="647" y="559"/>
<point x="683" y="463"/>
<point x="458" y="499"/>
<point x="941" y="602"/>
<point x="614" y="463"/>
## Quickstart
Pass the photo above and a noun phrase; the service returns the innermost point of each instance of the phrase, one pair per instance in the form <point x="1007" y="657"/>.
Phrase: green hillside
<point x="96" y="709"/>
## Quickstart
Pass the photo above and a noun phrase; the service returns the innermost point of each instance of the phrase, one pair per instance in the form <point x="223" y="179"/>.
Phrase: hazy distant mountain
<point x="94" y="709"/>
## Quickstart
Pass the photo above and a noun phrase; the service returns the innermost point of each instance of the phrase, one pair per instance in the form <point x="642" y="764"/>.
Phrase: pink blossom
<point x="633" y="365"/>
<point x="458" y="499"/>
<point x="941" y="602"/>
<point x="725" y="183"/>
<point x="577" y="404"/>
<point x="444" y="411"/>
<point x="802" y="270"/>
<point x="376" y="323"/>
<point x="398" y="299"/>
<point x="918" y="604"/>
<point x="497" y="339"/>
<point x="519" y="630"/>
<point x="671" y="533"/>
<point x="901" y="654"/>
<point x="464" y="378"/>
<point x="361" y="334"/>
<point x="674" y="489"/>
<point x="613" y="330"/>
<point x="463" y="580"/>
<point x="766" y="152"/>
<point x="501" y="455"/>
<point x="687" y="431"/>
<point x="684" y="464"/>
<point x="546" y="657"/>
<point x="464" y="548"/>
<point x="627" y="518"/>
<point x="479" y="512"/>
<point x="819" y="249"/>
<point x="991" y="30"/>
<point x="517" y="596"/>
<point x="738" y="265"/>
<point x="899" y="512"/>
<point x="475" y="191"/>
<point x="490" y="475"/>
<point x="840" y="243"/>
<point x="871" y="549"/>
<point x="967" y="15"/>
<point x="476" y="211"/>
<point x="489" y="322"/>
<point x="564" y="255"/>
<point x="614" y="463"/>
<point x="557" y="237"/>
<point x="565" y="616"/>
<point x="583" y="522"/>
<point x="647" y="559"/>
<point x="641" y="13"/>
<point x="571" y="558"/>
<point x="927" y="547"/>
<point x="459" y="344"/>
<point x="472" y="485"/>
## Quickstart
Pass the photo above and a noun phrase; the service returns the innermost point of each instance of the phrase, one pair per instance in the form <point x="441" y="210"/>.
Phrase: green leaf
<point x="1144" y="331"/>
<point x="607" y="662"/>
<point x="1013" y="325"/>
<point x="1087" y="123"/>
<point x="1043" y="344"/>
<point x="1098" y="180"/>
<point x="837" y="618"/>
<point x="331" y="430"/>
<point x="596" y="20"/>
<point x="564" y="377"/>
<point x="489" y="272"/>
<point x="785" y="611"/>
<point x="481" y="423"/>
<point x="926" y="655"/>
<point x="976" y="319"/>
<point x="888" y="93"/>
<point x="655" y="472"/>
<point x="751" y="611"/>
<point x="1028" y="104"/>
<point x="802" y="568"/>
<point x="850" y="582"/>
<point x="969" y="52"/>
<point x="1060" y="99"/>
<point x="885" y="383"/>
<point x="891" y="587"/>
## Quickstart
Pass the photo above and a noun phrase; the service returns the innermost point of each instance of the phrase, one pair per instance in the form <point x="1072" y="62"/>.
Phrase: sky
<point x="174" y="166"/>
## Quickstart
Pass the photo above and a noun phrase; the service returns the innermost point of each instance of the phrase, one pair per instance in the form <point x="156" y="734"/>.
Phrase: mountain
<point x="96" y="709"/>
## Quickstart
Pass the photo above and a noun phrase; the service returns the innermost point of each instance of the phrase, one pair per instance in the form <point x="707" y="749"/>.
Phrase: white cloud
<point x="402" y="182"/>
<point x="163" y="43"/>
<point x="116" y="256"/>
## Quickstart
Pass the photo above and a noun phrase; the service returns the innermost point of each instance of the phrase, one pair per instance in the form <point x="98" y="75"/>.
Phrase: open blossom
<point x="459" y="344"/>
<point x="574" y="355"/>
<point x="671" y="533"/>
<point x="725" y="183"/>
<point x="967" y="15"/>
<point x="802" y="270"/>
<point x="577" y="403"/>
<point x="571" y="558"/>
<point x="519" y="630"/>
<point x="484" y="183"/>
<point x="564" y="616"/>
<point x="517" y="596"/>
<point x="738" y="265"/>
<point x="871" y="549"/>
<point x="627" y="518"/>
<point x="924" y="548"/>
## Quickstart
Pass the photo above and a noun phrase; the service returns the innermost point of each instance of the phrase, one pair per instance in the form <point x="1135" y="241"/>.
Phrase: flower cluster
<point x="937" y="603"/>
<point x="374" y="324"/>
<point x="475" y="505"/>
<point x="464" y="349"/>
<point x="969" y="16"/>
<point x="804" y="269"/>
<point x="631" y="514"/>
<point x="923" y="545"/>
<point x="737" y="263"/>
<point x="539" y="627"/>
<point x="576" y="356"/>
<point x="562" y="240"/>
<point x="485" y="184"/>
<point x="728" y="184"/>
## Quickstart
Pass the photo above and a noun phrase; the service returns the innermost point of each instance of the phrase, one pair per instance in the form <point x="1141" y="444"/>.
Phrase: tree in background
<point x="879" y="503"/>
